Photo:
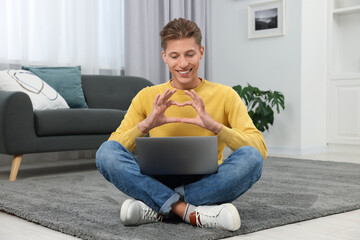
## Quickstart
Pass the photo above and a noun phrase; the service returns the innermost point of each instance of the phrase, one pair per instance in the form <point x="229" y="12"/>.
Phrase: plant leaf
<point x="260" y="105"/>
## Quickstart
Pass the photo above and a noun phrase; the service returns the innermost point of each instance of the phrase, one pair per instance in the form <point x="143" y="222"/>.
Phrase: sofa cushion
<point x="61" y="122"/>
<point x="65" y="80"/>
<point x="42" y="96"/>
<point x="111" y="92"/>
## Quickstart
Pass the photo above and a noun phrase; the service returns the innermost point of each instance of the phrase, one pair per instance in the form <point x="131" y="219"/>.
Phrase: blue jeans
<point x="234" y="177"/>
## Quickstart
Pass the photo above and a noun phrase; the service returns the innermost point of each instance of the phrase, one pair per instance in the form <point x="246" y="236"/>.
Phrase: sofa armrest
<point x="17" y="131"/>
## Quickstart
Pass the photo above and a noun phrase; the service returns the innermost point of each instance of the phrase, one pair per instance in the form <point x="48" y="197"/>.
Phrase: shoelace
<point x="207" y="221"/>
<point x="150" y="215"/>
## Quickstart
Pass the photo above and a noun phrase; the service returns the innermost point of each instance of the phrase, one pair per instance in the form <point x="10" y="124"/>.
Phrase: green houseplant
<point x="260" y="105"/>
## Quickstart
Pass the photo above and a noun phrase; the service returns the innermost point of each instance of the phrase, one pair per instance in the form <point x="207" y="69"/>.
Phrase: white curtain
<point x="88" y="33"/>
<point x="143" y="21"/>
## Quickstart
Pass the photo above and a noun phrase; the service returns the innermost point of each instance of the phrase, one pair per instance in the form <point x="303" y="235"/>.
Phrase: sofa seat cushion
<point x="61" y="122"/>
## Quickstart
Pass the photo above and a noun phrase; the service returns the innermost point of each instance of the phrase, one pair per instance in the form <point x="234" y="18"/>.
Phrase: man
<point x="185" y="106"/>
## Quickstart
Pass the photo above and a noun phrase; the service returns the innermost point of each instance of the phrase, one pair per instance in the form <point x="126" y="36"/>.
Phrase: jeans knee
<point x="99" y="157"/>
<point x="103" y="155"/>
<point x="256" y="160"/>
<point x="112" y="156"/>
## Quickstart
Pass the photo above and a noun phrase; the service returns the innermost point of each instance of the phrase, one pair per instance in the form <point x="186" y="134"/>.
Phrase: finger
<point x="187" y="103"/>
<point x="190" y="121"/>
<point x="173" y="120"/>
<point x="173" y="102"/>
<point x="189" y="94"/>
<point x="162" y="97"/>
<point x="196" y="96"/>
<point x="168" y="96"/>
<point x="156" y="100"/>
<point x="198" y="99"/>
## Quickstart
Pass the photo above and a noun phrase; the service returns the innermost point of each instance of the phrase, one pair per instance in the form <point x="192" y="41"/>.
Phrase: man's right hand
<point x="157" y="117"/>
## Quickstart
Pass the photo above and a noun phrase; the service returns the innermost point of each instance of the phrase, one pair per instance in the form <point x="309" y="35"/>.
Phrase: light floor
<point x="345" y="226"/>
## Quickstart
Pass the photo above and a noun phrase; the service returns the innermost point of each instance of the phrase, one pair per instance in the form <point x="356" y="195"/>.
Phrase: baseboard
<point x="347" y="148"/>
<point x="286" y="151"/>
<point x="5" y="160"/>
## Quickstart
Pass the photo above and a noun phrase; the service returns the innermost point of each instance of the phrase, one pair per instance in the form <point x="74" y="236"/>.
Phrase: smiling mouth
<point x="185" y="72"/>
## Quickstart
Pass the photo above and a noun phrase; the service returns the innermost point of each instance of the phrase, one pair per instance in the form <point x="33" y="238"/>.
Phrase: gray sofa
<point x="24" y="131"/>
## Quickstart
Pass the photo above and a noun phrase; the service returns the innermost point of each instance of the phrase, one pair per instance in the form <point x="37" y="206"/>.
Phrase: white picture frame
<point x="266" y="19"/>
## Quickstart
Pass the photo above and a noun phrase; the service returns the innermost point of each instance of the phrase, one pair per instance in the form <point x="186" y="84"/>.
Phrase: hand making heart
<point x="202" y="119"/>
<point x="157" y="117"/>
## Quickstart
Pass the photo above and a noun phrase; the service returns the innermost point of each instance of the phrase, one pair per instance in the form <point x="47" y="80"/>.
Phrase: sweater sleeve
<point x="126" y="133"/>
<point x="241" y="131"/>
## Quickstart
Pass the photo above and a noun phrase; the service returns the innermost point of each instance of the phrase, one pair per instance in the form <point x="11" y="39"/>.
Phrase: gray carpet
<point x="85" y="205"/>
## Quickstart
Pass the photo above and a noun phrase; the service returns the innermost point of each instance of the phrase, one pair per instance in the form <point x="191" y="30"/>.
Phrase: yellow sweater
<point x="221" y="102"/>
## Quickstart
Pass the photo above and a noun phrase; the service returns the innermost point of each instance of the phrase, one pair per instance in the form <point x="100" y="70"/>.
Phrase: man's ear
<point x="202" y="49"/>
<point x="163" y="54"/>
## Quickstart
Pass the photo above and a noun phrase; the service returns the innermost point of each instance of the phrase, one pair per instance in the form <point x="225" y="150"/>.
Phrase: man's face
<point x="183" y="59"/>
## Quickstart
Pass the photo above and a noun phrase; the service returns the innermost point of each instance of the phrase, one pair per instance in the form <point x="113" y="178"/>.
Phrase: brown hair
<point x="180" y="28"/>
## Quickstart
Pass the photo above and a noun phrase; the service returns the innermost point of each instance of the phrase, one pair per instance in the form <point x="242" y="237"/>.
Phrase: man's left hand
<point x="203" y="119"/>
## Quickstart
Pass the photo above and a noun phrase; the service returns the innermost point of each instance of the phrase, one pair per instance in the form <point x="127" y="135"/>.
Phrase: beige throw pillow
<point x="41" y="94"/>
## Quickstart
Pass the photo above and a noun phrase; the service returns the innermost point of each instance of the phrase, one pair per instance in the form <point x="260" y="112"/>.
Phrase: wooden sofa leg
<point x="15" y="167"/>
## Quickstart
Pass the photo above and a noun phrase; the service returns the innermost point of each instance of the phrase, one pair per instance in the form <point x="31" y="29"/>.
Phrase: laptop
<point x="177" y="155"/>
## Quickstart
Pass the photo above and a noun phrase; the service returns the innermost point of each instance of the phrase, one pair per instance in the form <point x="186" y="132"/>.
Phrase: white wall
<point x="274" y="63"/>
<point x="313" y="75"/>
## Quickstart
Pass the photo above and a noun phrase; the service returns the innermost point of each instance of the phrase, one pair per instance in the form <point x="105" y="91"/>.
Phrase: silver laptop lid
<point x="177" y="155"/>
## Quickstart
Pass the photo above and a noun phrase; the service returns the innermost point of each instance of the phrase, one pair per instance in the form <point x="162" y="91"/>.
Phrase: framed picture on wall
<point x="266" y="19"/>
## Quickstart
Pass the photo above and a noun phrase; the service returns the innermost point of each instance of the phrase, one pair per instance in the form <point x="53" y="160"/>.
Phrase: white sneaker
<point x="224" y="216"/>
<point x="135" y="212"/>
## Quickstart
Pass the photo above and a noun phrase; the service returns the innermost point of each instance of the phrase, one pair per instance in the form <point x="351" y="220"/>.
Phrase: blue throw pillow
<point x="65" y="80"/>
